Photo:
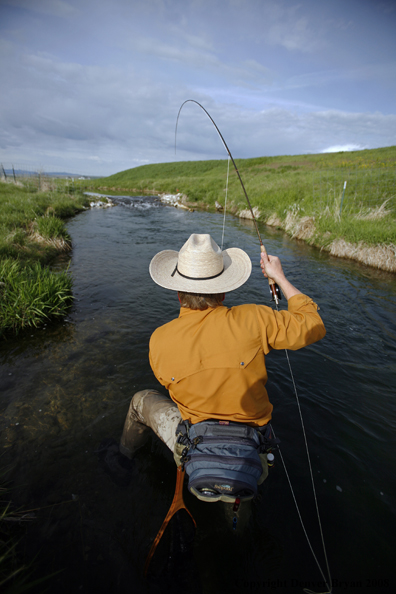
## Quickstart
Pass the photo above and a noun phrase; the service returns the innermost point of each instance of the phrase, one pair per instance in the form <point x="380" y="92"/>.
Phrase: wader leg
<point x="242" y="516"/>
<point x="264" y="464"/>
<point x="149" y="409"/>
<point x="244" y="512"/>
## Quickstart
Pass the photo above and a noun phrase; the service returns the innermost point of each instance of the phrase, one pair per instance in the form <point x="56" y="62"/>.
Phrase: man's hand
<point x="272" y="268"/>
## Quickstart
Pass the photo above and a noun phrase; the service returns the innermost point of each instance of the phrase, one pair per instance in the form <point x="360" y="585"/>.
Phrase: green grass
<point x="32" y="234"/>
<point x="52" y="227"/>
<point x="371" y="232"/>
<point x="23" y="212"/>
<point x="309" y="184"/>
<point x="31" y="294"/>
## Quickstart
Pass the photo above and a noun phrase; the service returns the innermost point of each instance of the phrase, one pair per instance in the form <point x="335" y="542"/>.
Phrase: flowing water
<point x="67" y="386"/>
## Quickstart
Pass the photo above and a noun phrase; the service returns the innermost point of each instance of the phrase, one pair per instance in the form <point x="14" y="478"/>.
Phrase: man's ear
<point x="223" y="297"/>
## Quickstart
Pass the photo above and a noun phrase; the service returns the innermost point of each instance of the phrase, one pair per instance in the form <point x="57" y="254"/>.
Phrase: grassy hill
<point x="301" y="194"/>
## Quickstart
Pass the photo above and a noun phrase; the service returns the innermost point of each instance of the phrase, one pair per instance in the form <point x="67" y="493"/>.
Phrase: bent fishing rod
<point x="274" y="289"/>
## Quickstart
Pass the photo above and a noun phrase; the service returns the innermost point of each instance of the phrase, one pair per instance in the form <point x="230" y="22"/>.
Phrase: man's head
<point x="199" y="301"/>
<point x="201" y="267"/>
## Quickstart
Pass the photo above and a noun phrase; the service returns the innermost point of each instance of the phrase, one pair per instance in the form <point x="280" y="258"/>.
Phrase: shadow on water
<point x="65" y="387"/>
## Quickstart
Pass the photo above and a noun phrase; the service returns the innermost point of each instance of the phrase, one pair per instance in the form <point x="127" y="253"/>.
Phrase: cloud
<point x="58" y="8"/>
<point x="106" y="102"/>
<point x="193" y="59"/>
<point x="292" y="30"/>
<point x="343" y="148"/>
<point x="103" y="119"/>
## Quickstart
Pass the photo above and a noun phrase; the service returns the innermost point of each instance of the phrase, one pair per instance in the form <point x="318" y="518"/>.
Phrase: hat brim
<point x="237" y="269"/>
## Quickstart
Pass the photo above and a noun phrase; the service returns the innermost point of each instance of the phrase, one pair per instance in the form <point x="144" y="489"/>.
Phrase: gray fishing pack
<point x="223" y="459"/>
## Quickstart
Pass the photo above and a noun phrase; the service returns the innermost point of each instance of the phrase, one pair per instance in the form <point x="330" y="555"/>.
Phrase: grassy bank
<point x="32" y="234"/>
<point x="304" y="195"/>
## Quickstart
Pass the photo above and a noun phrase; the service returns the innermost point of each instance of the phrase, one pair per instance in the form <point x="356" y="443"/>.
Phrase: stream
<point x="67" y="386"/>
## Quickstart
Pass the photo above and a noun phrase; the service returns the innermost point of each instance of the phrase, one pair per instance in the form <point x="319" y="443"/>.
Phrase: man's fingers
<point x="263" y="262"/>
<point x="270" y="265"/>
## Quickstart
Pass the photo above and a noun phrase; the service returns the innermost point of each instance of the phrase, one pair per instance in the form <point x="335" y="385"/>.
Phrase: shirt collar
<point x="185" y="311"/>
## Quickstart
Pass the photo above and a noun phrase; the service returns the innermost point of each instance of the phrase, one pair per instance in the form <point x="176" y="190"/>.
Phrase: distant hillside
<point x="9" y="172"/>
<point x="321" y="198"/>
<point x="151" y="177"/>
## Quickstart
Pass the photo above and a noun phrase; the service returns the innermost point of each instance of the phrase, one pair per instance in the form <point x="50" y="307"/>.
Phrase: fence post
<point x="313" y="188"/>
<point x="4" y="173"/>
<point x="342" y="199"/>
<point x="335" y="182"/>
<point x="320" y="186"/>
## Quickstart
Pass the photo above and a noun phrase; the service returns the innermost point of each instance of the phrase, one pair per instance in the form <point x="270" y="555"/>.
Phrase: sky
<point x="94" y="86"/>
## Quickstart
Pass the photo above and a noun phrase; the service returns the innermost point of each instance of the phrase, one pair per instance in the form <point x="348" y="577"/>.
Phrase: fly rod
<point x="274" y="289"/>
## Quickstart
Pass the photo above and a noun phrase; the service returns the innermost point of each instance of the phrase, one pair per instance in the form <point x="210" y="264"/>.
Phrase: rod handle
<point x="270" y="280"/>
<point x="272" y="284"/>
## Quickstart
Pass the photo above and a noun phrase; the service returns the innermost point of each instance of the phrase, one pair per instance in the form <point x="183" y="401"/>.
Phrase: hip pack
<point x="222" y="458"/>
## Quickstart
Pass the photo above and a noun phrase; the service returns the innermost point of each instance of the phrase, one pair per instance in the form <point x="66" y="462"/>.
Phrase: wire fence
<point x="36" y="179"/>
<point x="354" y="190"/>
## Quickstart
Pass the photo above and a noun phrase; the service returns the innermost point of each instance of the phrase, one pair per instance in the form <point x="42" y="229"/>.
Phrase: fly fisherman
<point x="211" y="360"/>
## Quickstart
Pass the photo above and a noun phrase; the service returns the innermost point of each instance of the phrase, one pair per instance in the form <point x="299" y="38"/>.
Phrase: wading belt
<point x="176" y="505"/>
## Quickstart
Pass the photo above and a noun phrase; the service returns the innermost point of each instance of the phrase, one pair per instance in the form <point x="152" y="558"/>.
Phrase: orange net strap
<point x="176" y="505"/>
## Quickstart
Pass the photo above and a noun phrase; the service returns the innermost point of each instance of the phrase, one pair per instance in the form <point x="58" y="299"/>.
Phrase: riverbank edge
<point x="303" y="228"/>
<point x="380" y="256"/>
<point x="40" y="293"/>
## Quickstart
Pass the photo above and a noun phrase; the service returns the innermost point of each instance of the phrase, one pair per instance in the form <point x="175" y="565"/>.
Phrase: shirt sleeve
<point x="152" y="362"/>
<point x="298" y="326"/>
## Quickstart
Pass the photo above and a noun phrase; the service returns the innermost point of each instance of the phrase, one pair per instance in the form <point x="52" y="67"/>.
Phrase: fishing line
<point x="307" y="590"/>
<point x="313" y="490"/>
<point x="225" y="203"/>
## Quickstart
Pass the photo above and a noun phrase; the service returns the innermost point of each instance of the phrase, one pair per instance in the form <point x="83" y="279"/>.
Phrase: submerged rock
<point x="176" y="200"/>
<point x="100" y="204"/>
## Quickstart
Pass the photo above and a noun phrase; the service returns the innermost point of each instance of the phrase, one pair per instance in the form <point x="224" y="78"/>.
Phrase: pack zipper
<point x="224" y="460"/>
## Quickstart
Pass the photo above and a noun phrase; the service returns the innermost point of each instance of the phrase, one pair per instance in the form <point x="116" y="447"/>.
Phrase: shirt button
<point x="242" y="363"/>
<point x="173" y="379"/>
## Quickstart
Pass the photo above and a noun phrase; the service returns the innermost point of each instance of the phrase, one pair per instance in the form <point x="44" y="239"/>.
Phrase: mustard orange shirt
<point x="213" y="361"/>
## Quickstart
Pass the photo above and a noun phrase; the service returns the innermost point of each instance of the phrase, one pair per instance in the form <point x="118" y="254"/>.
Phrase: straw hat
<point x="201" y="267"/>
